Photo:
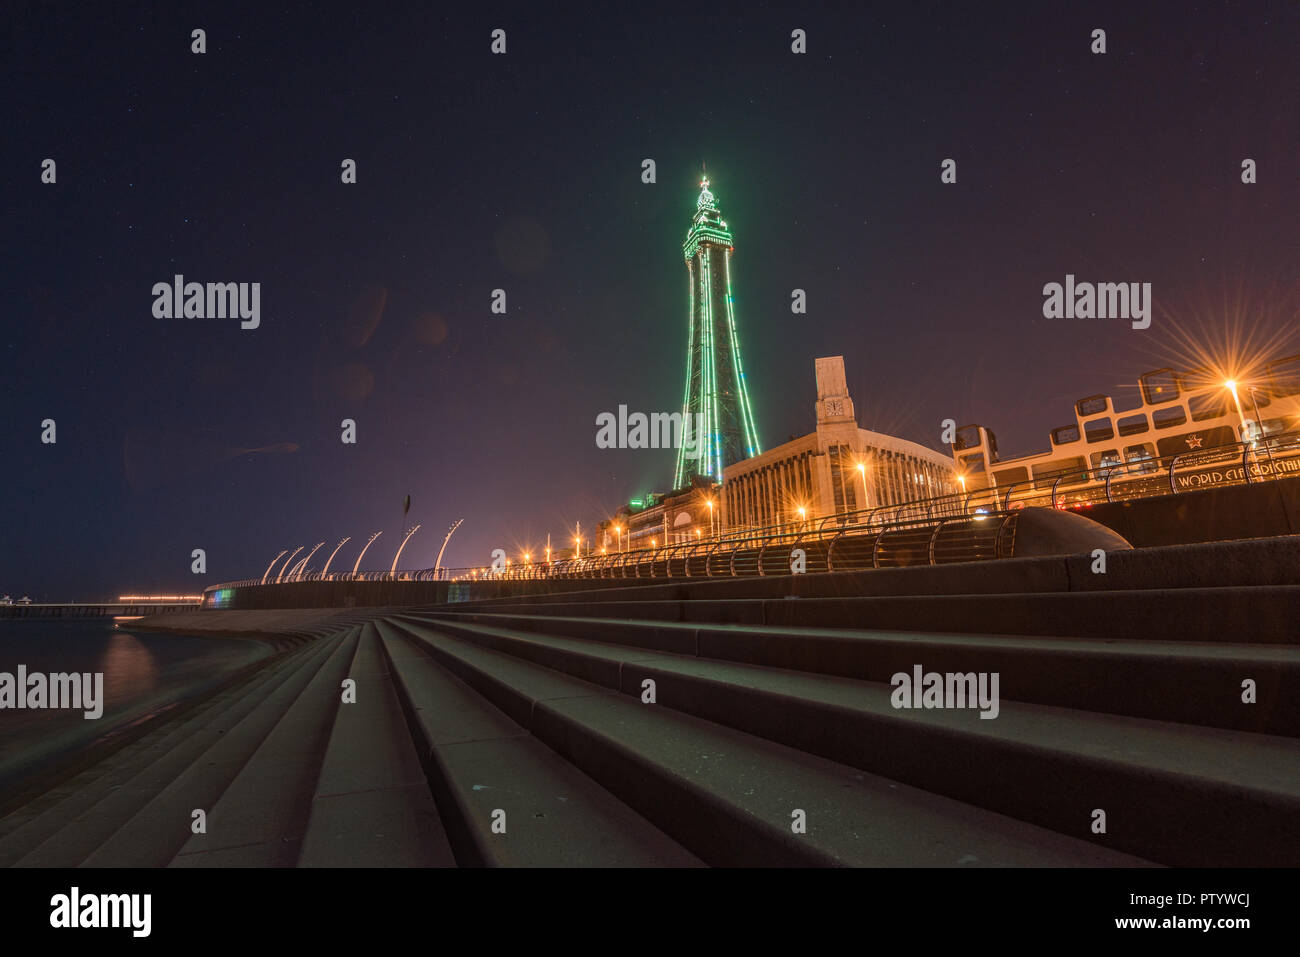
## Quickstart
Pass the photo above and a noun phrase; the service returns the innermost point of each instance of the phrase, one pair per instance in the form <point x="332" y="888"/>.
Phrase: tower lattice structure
<point x="717" y="397"/>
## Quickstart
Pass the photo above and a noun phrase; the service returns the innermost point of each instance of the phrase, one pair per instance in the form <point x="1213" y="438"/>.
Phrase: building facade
<point x="716" y="393"/>
<point x="687" y="514"/>
<point x="839" y="468"/>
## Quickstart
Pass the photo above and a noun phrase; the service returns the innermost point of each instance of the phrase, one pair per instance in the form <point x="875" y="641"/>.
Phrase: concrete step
<point x="372" y="806"/>
<point x="33" y="822"/>
<point x="1157" y="781"/>
<point x="1187" y="682"/>
<point x="732" y="797"/>
<point x="84" y="812"/>
<point x="1246" y="615"/>
<point x="261" y="816"/>
<point x="479" y="761"/>
<point x="153" y="835"/>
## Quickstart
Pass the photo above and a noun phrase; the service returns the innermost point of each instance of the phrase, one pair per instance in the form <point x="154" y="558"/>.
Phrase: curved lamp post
<point x="325" y="573"/>
<point x="272" y="565"/>
<point x="437" y="563"/>
<point x="409" y="532"/>
<point x="280" y="576"/>
<point x="363" y="552"/>
<point x="301" y="567"/>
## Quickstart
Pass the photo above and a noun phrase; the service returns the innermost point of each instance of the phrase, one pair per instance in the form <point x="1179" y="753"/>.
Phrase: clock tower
<point x="833" y="402"/>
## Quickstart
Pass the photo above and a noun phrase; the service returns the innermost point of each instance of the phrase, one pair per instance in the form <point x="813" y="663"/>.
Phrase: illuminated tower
<point x="716" y="394"/>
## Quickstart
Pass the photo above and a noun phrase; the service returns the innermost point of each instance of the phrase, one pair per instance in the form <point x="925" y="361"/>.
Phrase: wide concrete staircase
<point x="607" y="731"/>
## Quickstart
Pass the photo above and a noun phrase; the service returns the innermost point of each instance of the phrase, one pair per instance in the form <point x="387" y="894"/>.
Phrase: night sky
<point x="523" y="172"/>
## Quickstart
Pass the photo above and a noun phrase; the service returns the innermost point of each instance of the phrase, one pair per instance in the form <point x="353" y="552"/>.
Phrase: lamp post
<point x="324" y="575"/>
<point x="437" y="562"/>
<point x="1259" y="422"/>
<point x="862" y="471"/>
<point x="287" y="561"/>
<point x="272" y="565"/>
<point x="409" y="532"/>
<point x="1231" y="386"/>
<point x="363" y="552"/>
<point x="710" y="504"/>
<point x="303" y="563"/>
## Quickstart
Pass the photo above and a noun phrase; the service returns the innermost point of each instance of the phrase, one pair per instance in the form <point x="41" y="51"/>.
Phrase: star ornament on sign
<point x="1193" y="441"/>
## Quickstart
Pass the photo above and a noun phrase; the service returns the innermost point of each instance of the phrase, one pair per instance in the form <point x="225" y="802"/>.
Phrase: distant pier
<point x="94" y="610"/>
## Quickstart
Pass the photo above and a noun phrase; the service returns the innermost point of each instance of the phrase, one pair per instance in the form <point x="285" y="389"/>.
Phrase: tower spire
<point x="718" y="423"/>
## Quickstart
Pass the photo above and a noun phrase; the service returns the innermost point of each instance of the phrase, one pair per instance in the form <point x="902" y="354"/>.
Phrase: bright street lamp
<point x="1231" y="386"/>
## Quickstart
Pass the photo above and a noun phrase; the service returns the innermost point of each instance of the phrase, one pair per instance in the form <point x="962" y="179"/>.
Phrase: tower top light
<point x="706" y="198"/>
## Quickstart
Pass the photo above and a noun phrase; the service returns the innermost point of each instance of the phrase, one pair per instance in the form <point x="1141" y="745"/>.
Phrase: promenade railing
<point x="965" y="526"/>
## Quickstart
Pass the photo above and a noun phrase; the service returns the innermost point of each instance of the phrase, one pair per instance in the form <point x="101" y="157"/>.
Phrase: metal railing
<point x="1238" y="463"/>
<point x="870" y="538"/>
<point x="966" y="526"/>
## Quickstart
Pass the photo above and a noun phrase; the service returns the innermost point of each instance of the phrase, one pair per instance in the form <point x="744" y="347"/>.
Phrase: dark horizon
<point x="523" y="172"/>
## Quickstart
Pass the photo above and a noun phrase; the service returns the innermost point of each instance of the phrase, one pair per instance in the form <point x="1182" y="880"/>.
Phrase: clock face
<point x="834" y="407"/>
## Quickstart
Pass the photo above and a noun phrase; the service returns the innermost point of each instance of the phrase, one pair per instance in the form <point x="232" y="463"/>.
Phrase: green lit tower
<point x="716" y="394"/>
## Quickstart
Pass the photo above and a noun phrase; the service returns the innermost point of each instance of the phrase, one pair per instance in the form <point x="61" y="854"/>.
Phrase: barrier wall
<point x="375" y="594"/>
<point x="1210" y="515"/>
